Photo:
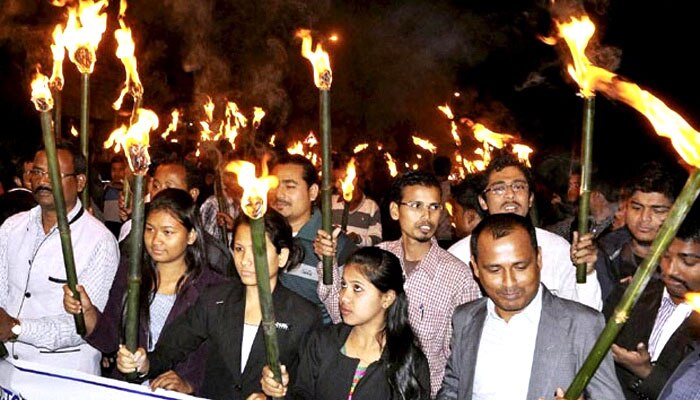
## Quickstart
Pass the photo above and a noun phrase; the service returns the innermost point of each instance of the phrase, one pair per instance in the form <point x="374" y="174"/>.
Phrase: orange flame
<point x="234" y="120"/>
<point x="448" y="113"/>
<point x="391" y="163"/>
<point x="666" y="122"/>
<point x="172" y="127"/>
<point x="41" y="94"/>
<point x="424" y="144"/>
<point x="577" y="33"/>
<point x="296" y="148"/>
<point x="523" y="153"/>
<point x="125" y="52"/>
<point x="311" y="139"/>
<point x="346" y="184"/>
<point x="74" y="131"/>
<point x="258" y="114"/>
<point x="134" y="140"/>
<point x="82" y="38"/>
<point x="360" y="147"/>
<point x="254" y="200"/>
<point x="209" y="109"/>
<point x="693" y="300"/>
<point x="323" y="76"/>
<point x="58" y="51"/>
<point x="272" y="140"/>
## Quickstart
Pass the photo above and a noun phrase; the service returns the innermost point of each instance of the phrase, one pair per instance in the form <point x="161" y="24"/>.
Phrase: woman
<point x="174" y="273"/>
<point x="373" y="353"/>
<point x="228" y="318"/>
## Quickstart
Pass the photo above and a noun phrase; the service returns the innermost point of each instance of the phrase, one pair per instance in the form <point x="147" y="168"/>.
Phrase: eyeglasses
<point x="35" y="173"/>
<point x="500" y="189"/>
<point x="419" y="205"/>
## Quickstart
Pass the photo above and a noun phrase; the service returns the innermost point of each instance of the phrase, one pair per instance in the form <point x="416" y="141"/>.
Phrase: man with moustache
<point x="33" y="324"/>
<point x="436" y="281"/>
<point x="658" y="333"/>
<point x="519" y="342"/>
<point x="508" y="187"/>
<point x="293" y="198"/>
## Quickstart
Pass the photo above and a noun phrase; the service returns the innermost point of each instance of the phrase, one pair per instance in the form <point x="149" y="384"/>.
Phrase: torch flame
<point x="448" y="113"/>
<point x="360" y="147"/>
<point x="74" y="131"/>
<point x="258" y="114"/>
<point x="346" y="184"/>
<point x="577" y="33"/>
<point x="209" y="109"/>
<point x="58" y="51"/>
<point x="296" y="148"/>
<point x="41" y="94"/>
<point x="391" y="163"/>
<point x="424" y="144"/>
<point x="125" y="52"/>
<point x="693" y="300"/>
<point x="254" y="200"/>
<point x="272" y="140"/>
<point x="523" y="153"/>
<point x="172" y="127"/>
<point x="134" y="140"/>
<point x="82" y="38"/>
<point x="323" y="76"/>
<point x="311" y="139"/>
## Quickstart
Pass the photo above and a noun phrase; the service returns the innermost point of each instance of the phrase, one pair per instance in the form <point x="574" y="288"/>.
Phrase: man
<point x="18" y="194"/>
<point x="212" y="218"/>
<point x="508" y="184"/>
<point x="436" y="281"/>
<point x="650" y="195"/>
<point x="293" y="198"/>
<point x="442" y="167"/>
<point x="684" y="384"/>
<point x="364" y="222"/>
<point x="32" y="274"/>
<point x="175" y="174"/>
<point x="111" y="193"/>
<point x="520" y="342"/>
<point x="467" y="210"/>
<point x="658" y="334"/>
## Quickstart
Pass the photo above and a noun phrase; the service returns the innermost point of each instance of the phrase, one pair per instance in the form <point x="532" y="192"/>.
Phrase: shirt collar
<point x="531" y="313"/>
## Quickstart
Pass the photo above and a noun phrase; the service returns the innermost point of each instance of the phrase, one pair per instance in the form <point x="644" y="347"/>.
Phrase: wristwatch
<point x="16" y="329"/>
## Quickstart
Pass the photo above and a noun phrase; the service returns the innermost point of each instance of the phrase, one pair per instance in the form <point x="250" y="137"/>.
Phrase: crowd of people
<point x="448" y="289"/>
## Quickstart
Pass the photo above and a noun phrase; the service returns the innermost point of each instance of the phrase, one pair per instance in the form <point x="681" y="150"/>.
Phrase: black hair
<point x="117" y="159"/>
<point x="466" y="193"/>
<point x="79" y="163"/>
<point x="309" y="173"/>
<point x="505" y="159"/>
<point x="402" y="353"/>
<point x="689" y="230"/>
<point x="412" y="178"/>
<point x="501" y="225"/>
<point x="442" y="165"/>
<point x="654" y="177"/>
<point x="607" y="186"/>
<point x="179" y="204"/>
<point x="279" y="232"/>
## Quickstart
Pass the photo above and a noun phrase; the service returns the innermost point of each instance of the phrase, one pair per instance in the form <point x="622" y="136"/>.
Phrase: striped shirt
<point x="359" y="374"/>
<point x="669" y="317"/>
<point x="365" y="220"/>
<point x="439" y="284"/>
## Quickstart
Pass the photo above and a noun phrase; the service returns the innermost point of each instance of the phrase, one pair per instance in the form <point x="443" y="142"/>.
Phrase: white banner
<point x="22" y="380"/>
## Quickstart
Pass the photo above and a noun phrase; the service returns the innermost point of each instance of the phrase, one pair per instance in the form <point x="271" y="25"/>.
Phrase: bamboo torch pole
<point x="586" y="160"/>
<point x="323" y="77"/>
<point x="254" y="206"/>
<point x="84" y="134"/>
<point x="41" y="96"/>
<point x="641" y="278"/>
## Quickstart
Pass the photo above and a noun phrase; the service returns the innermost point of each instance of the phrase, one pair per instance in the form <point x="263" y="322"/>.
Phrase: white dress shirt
<point x="506" y="349"/>
<point x="669" y="317"/>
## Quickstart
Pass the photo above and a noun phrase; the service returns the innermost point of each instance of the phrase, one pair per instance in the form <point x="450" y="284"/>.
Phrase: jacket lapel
<point x="472" y="333"/>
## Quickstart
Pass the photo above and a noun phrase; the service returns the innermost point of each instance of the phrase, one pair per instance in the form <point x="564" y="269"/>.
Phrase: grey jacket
<point x="566" y="333"/>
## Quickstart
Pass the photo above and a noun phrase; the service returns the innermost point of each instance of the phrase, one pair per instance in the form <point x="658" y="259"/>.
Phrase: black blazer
<point x="327" y="374"/>
<point x="638" y="329"/>
<point x="218" y="318"/>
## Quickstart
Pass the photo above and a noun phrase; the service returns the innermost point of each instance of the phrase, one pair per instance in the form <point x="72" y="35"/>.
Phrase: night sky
<point x="395" y="62"/>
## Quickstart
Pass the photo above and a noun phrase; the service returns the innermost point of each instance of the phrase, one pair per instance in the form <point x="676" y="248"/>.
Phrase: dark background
<point x="395" y="62"/>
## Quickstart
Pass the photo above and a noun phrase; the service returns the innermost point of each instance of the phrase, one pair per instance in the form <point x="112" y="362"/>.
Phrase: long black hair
<point x="401" y="352"/>
<point x="180" y="205"/>
<point x="278" y="230"/>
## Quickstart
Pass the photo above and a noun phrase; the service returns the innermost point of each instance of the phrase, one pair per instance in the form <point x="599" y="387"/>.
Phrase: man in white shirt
<point x="519" y="342"/>
<point x="508" y="184"/>
<point x="658" y="333"/>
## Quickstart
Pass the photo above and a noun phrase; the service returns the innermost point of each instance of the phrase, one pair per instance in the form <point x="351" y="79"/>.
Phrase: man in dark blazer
<point x="684" y="384"/>
<point x="658" y="333"/>
<point x="520" y="342"/>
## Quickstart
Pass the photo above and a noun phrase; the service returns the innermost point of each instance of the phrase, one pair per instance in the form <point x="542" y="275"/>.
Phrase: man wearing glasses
<point x="33" y="324"/>
<point x="508" y="186"/>
<point x="436" y="281"/>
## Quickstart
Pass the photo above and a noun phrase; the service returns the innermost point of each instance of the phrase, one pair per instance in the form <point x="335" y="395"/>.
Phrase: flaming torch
<point x="43" y="102"/>
<point x="81" y="43"/>
<point x="134" y="140"/>
<point x="58" y="51"/>
<point x="125" y="52"/>
<point x="254" y="206"/>
<point x="348" y="189"/>
<point x="686" y="141"/>
<point x="323" y="76"/>
<point x="577" y="33"/>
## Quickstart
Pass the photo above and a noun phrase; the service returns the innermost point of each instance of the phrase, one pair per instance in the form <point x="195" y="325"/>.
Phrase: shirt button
<point x="16" y="357"/>
<point x="27" y="295"/>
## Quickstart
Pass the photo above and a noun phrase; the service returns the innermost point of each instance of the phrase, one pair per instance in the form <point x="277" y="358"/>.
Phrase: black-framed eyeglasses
<point x="418" y="205"/>
<point x="500" y="189"/>
<point x="33" y="173"/>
